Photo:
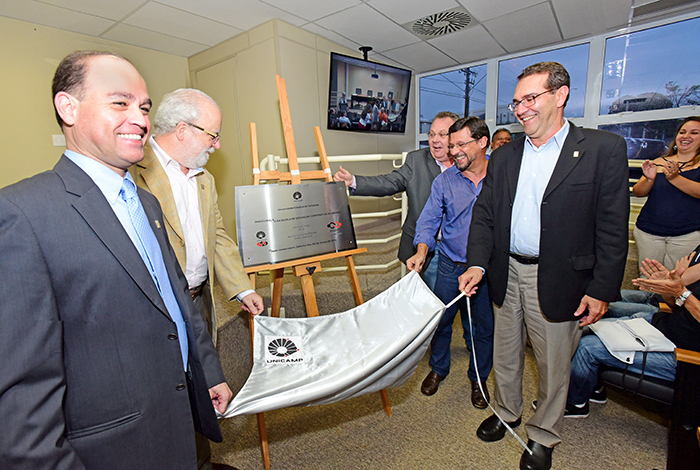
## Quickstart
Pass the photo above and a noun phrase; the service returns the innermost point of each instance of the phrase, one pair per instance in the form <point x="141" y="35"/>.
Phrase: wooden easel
<point x="304" y="267"/>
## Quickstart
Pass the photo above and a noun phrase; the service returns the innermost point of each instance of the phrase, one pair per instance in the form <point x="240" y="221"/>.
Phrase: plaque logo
<point x="297" y="196"/>
<point x="260" y="235"/>
<point x="334" y="225"/>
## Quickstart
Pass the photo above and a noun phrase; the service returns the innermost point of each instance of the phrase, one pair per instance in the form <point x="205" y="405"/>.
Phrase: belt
<point x="522" y="259"/>
<point x="197" y="291"/>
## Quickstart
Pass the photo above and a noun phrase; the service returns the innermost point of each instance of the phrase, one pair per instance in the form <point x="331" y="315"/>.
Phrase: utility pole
<point x="469" y="80"/>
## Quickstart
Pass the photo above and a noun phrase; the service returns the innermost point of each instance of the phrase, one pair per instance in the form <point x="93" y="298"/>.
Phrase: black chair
<point x="680" y="398"/>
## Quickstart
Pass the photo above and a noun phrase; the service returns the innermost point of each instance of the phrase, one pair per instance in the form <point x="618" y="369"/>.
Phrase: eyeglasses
<point x="213" y="135"/>
<point x="528" y="100"/>
<point x="432" y="134"/>
<point x="461" y="145"/>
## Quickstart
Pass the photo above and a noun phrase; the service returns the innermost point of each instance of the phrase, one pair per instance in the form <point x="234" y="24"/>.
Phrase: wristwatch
<point x="680" y="300"/>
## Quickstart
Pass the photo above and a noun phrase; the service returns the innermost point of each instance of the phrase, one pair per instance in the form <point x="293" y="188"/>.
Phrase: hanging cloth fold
<point x="325" y="359"/>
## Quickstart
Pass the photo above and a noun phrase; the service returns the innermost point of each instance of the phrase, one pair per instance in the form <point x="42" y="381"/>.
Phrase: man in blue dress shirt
<point x="449" y="206"/>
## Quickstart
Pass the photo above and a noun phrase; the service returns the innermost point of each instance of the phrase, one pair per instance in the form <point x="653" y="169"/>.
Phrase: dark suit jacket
<point x="584" y="222"/>
<point x="415" y="177"/>
<point x="92" y="375"/>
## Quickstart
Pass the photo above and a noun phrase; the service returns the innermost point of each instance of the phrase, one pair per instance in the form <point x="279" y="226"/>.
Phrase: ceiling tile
<point x="55" y="17"/>
<point x="525" y="29"/>
<point x="420" y="57"/>
<point x="241" y="14"/>
<point x="598" y="16"/>
<point x="382" y="59"/>
<point x="103" y="8"/>
<point x="494" y="8"/>
<point x="363" y="25"/>
<point x="156" y="41"/>
<point x="403" y="11"/>
<point x="167" y="20"/>
<point x="332" y="36"/>
<point x="471" y="44"/>
<point x="312" y="10"/>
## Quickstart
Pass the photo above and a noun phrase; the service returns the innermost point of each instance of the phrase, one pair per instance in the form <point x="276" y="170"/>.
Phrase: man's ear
<point x="484" y="142"/>
<point x="66" y="106"/>
<point x="562" y="93"/>
<point x="180" y="130"/>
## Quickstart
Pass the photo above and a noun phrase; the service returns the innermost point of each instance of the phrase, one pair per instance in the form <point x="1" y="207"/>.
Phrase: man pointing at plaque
<point x="415" y="177"/>
<point x="185" y="133"/>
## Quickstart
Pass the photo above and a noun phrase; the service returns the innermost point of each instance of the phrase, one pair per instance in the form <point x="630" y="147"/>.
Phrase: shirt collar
<point x="167" y="161"/>
<point x="557" y="139"/>
<point x="109" y="181"/>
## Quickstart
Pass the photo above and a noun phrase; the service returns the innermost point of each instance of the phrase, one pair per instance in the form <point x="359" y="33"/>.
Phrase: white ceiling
<point x="186" y="27"/>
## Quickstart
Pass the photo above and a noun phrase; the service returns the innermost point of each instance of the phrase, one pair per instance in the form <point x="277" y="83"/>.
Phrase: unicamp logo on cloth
<point x="283" y="350"/>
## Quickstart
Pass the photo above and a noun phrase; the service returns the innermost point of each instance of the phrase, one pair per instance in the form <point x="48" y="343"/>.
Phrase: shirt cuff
<point x="353" y="185"/>
<point x="483" y="271"/>
<point x="244" y="294"/>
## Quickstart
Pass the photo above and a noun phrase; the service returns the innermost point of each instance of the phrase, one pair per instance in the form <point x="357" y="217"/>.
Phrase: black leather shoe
<point x="541" y="458"/>
<point x="431" y="383"/>
<point x="478" y="400"/>
<point x="491" y="429"/>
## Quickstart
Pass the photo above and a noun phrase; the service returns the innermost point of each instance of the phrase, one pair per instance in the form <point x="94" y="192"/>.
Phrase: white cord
<point x="476" y="367"/>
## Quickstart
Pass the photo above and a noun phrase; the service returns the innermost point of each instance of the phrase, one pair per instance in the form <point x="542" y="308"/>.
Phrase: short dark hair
<point x="557" y="75"/>
<point x="70" y="75"/>
<point x="477" y="127"/>
<point x="446" y="114"/>
<point x="501" y="129"/>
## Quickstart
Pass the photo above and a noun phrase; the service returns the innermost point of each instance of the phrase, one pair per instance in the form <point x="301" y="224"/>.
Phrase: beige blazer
<point x="150" y="175"/>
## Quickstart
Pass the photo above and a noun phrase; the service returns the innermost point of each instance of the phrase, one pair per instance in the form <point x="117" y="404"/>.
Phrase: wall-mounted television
<point x="366" y="96"/>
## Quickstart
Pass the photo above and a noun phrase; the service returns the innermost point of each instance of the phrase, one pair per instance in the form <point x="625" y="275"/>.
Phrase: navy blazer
<point x="92" y="375"/>
<point x="584" y="222"/>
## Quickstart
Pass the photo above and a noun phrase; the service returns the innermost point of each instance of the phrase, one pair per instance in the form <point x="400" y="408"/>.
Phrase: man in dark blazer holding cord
<point x="551" y="229"/>
<point x="105" y="365"/>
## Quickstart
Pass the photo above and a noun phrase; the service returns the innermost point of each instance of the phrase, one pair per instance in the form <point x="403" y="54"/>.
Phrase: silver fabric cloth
<point x="320" y="360"/>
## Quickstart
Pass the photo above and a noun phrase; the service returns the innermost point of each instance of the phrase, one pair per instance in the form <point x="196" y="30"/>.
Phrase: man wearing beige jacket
<point x="185" y="133"/>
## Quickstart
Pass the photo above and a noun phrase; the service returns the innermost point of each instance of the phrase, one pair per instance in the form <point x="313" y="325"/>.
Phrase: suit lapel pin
<point x="202" y="186"/>
<point x="575" y="153"/>
<point x="157" y="223"/>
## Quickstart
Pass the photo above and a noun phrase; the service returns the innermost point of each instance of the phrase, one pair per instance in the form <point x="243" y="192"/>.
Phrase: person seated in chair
<point x="680" y="289"/>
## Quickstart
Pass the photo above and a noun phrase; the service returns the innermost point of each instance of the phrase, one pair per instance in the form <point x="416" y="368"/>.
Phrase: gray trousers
<point x="554" y="344"/>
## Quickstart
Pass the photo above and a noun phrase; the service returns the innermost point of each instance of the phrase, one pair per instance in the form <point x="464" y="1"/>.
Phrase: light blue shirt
<point x="535" y="172"/>
<point x="110" y="183"/>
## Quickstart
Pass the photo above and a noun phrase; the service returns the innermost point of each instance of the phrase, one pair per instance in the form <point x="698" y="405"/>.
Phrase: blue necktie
<point x="153" y="259"/>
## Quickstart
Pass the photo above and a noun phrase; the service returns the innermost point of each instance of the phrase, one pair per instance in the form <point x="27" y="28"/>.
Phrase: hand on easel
<point x="344" y="175"/>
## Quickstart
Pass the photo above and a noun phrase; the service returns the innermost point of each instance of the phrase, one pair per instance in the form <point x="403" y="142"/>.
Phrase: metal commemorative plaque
<point x="279" y="223"/>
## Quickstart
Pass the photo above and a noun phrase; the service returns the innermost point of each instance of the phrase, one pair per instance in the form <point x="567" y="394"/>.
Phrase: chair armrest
<point x="665" y="308"/>
<point x="685" y="355"/>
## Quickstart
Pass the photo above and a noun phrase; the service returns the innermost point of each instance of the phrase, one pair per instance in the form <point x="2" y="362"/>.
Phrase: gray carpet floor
<point x="435" y="432"/>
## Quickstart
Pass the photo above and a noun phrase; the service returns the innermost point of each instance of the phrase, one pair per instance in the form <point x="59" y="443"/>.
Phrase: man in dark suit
<point x="105" y="362"/>
<point x="550" y="228"/>
<point x="415" y="177"/>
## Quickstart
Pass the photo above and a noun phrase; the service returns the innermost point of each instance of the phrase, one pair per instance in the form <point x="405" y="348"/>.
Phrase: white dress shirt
<point x="186" y="195"/>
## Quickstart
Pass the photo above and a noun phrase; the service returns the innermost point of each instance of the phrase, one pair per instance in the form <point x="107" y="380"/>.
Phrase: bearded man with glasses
<point x="415" y="177"/>
<point x="185" y="133"/>
<point x="550" y="231"/>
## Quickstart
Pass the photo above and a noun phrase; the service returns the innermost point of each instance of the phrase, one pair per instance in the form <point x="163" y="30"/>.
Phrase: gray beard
<point x="199" y="160"/>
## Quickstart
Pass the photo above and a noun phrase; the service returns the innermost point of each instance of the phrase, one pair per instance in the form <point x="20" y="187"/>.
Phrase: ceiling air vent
<point x="440" y="24"/>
